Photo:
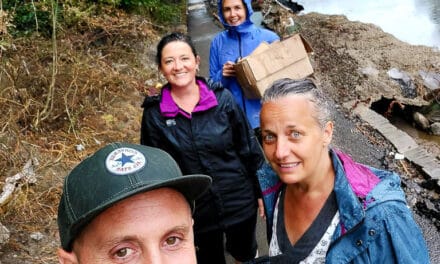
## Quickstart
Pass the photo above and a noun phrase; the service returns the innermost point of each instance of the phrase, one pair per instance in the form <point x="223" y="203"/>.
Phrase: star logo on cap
<point x="123" y="161"/>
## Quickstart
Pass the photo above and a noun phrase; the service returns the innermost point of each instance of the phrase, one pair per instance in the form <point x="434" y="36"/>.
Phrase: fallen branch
<point x="27" y="175"/>
<point x="4" y="234"/>
<point x="405" y="168"/>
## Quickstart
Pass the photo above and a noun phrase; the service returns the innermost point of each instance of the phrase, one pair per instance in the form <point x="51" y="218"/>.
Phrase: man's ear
<point x="65" y="257"/>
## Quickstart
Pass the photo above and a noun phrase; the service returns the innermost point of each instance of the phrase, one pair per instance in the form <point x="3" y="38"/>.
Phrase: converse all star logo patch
<point x="123" y="161"/>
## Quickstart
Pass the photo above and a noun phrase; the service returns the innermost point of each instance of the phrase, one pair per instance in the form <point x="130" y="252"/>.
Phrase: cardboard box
<point x="288" y="58"/>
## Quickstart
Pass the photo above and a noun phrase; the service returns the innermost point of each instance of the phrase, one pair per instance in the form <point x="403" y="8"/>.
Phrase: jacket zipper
<point x="239" y="47"/>
<point x="239" y="58"/>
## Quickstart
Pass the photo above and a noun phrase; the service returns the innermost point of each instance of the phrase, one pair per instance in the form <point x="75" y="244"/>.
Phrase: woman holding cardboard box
<point x="238" y="40"/>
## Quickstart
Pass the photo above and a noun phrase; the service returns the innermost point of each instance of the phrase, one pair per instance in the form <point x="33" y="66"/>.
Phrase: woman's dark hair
<point x="175" y="36"/>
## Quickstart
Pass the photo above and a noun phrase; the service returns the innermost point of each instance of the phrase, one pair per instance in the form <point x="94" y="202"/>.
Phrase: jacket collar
<point x="350" y="209"/>
<point x="359" y="187"/>
<point x="169" y="108"/>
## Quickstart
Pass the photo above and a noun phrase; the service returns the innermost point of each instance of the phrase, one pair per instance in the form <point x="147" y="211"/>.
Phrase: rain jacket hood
<point x="243" y="27"/>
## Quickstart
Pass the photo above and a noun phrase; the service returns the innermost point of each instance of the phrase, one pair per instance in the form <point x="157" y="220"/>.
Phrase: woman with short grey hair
<point x="321" y="206"/>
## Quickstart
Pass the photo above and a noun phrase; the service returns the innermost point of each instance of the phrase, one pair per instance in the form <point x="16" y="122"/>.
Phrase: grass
<point x="103" y="67"/>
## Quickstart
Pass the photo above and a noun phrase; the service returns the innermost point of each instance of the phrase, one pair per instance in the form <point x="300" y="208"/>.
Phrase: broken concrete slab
<point x="404" y="143"/>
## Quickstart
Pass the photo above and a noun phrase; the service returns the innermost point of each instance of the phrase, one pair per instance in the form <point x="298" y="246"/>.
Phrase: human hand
<point x="261" y="208"/>
<point x="228" y="69"/>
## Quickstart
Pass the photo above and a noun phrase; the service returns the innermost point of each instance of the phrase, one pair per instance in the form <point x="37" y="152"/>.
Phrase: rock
<point x="420" y="120"/>
<point x="370" y="71"/>
<point x="37" y="236"/>
<point x="435" y="128"/>
<point x="432" y="112"/>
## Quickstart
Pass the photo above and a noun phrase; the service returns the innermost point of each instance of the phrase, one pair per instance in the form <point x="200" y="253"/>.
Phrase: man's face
<point x="150" y="227"/>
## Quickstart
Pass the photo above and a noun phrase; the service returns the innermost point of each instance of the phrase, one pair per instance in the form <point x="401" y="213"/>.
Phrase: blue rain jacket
<point x="233" y="43"/>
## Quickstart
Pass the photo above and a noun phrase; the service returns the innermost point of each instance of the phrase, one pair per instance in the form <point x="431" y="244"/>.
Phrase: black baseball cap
<point x="113" y="173"/>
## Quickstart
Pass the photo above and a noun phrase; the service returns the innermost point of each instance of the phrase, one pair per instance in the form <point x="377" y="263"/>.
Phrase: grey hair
<point x="302" y="87"/>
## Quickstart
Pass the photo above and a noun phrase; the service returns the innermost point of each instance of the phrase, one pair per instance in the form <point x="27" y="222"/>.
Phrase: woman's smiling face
<point x="234" y="12"/>
<point x="179" y="64"/>
<point x="293" y="141"/>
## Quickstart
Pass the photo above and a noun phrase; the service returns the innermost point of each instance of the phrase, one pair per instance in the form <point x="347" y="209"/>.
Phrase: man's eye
<point x="171" y="241"/>
<point x="123" y="252"/>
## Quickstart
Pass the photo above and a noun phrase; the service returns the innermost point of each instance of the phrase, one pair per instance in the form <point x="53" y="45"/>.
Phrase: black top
<point x="217" y="142"/>
<point x="304" y="246"/>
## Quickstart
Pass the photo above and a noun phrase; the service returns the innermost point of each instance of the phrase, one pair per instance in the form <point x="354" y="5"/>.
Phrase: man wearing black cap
<point x="128" y="203"/>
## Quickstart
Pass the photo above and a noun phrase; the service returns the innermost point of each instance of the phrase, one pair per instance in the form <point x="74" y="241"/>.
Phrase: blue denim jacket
<point x="376" y="228"/>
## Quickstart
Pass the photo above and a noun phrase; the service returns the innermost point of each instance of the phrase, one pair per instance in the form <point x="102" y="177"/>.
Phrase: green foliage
<point x="161" y="11"/>
<point x="26" y="20"/>
<point x="31" y="16"/>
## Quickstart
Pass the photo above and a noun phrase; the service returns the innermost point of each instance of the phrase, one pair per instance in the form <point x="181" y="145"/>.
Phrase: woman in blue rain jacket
<point x="238" y="40"/>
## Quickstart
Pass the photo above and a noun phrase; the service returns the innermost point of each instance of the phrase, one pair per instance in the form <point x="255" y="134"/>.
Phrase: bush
<point x="29" y="17"/>
<point x="161" y="11"/>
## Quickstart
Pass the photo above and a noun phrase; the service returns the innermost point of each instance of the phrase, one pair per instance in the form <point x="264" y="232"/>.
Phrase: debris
<point x="291" y="28"/>
<point x="399" y="156"/>
<point x="430" y="79"/>
<point x="396" y="155"/>
<point x="98" y="142"/>
<point x="80" y="147"/>
<point x="37" y="236"/>
<point x="27" y="175"/>
<point x="405" y="81"/>
<point x="290" y="5"/>
<point x="4" y="234"/>
<point x="432" y="112"/>
<point x="390" y="108"/>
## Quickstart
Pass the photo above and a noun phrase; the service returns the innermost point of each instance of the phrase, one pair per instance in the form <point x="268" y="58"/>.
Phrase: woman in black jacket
<point x="205" y="131"/>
